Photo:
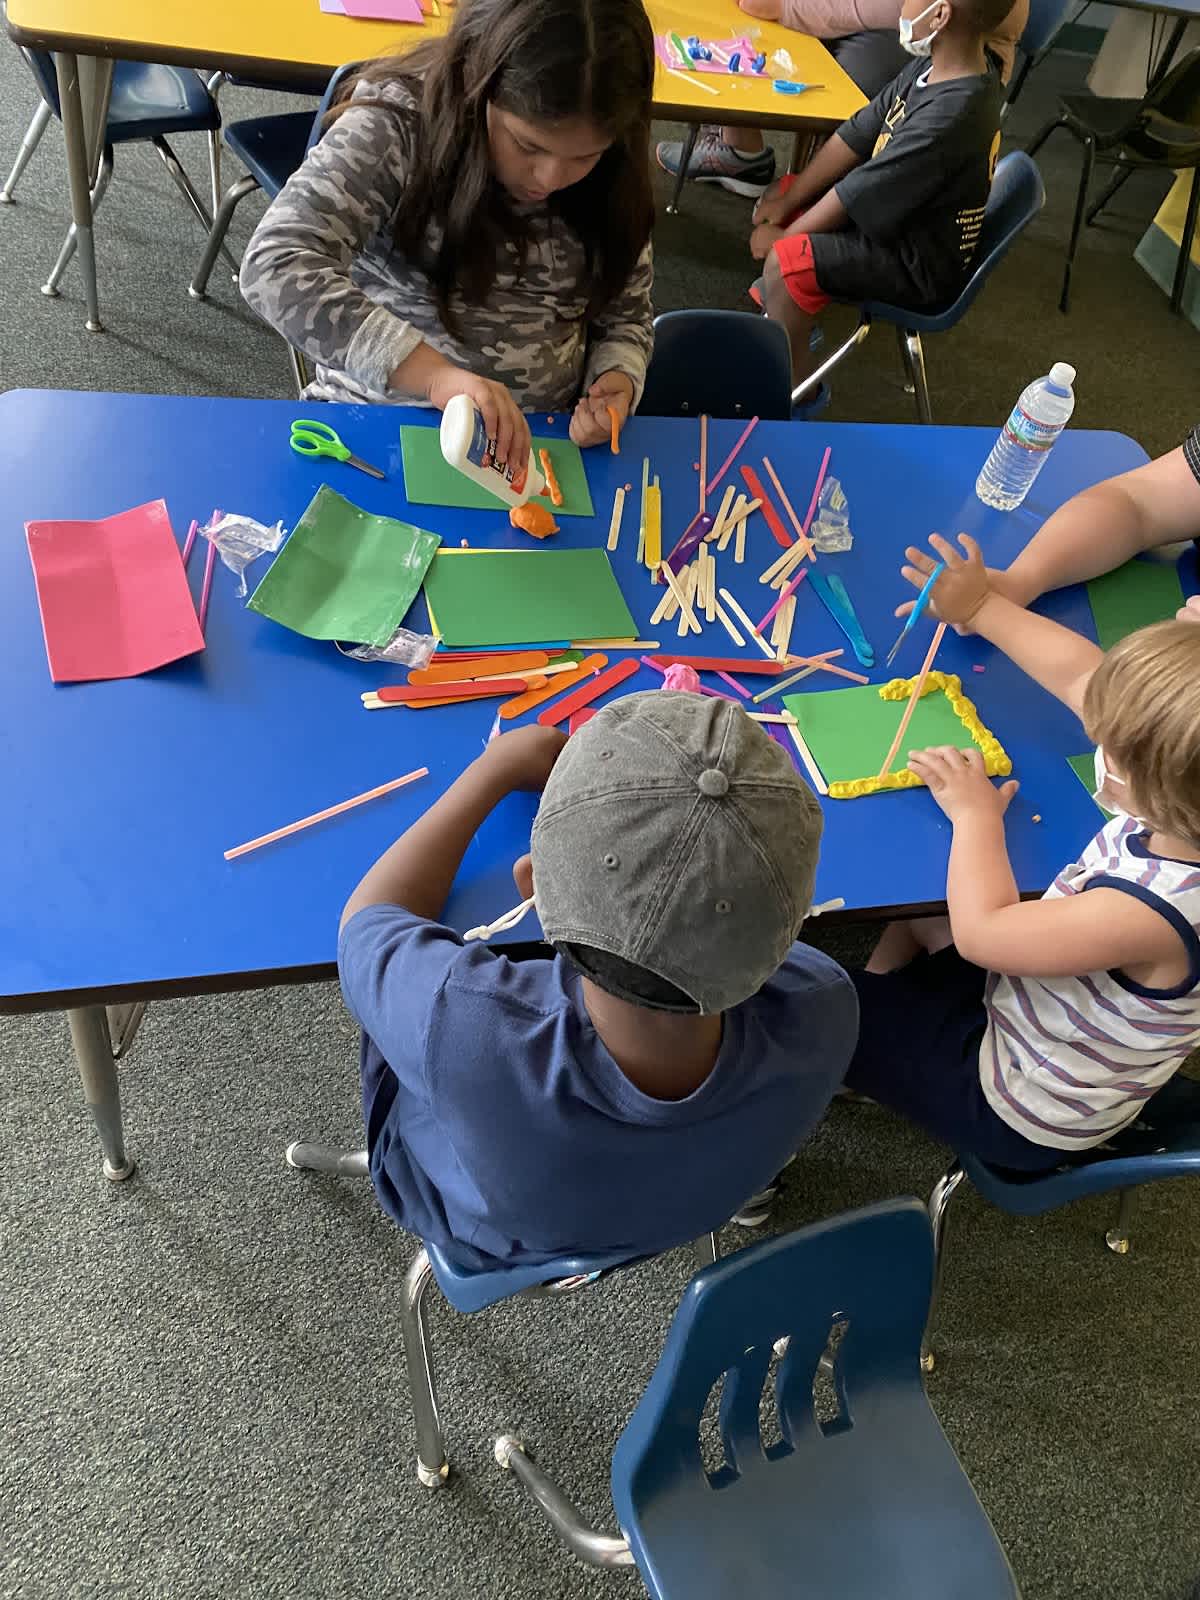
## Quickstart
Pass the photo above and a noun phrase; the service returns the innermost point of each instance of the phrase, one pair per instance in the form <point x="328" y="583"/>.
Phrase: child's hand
<point x="1189" y="612"/>
<point x="502" y="417"/>
<point x="958" y="782"/>
<point x="961" y="589"/>
<point x="524" y="758"/>
<point x="773" y="204"/>
<point x="768" y="10"/>
<point x="762" y="240"/>
<point x="591" y="423"/>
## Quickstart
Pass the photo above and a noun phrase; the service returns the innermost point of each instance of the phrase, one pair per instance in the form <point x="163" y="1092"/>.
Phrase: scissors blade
<point x="891" y="655"/>
<point x="365" y="466"/>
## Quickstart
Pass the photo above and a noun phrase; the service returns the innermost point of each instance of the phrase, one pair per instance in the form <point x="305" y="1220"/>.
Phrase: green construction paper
<point x="512" y="597"/>
<point x="1132" y="597"/>
<point x="849" y="730"/>
<point x="1084" y="768"/>
<point x="344" y="573"/>
<point x="430" y="480"/>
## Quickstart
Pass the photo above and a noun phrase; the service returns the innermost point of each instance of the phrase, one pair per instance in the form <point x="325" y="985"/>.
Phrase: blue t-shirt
<point x="500" y="1127"/>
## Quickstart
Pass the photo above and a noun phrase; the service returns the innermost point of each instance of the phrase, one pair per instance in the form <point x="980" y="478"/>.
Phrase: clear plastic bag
<point x="830" y="530"/>
<point x="404" y="648"/>
<point x="241" y="540"/>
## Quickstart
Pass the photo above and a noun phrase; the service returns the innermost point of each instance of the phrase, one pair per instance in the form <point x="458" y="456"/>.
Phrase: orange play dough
<point x="533" y="519"/>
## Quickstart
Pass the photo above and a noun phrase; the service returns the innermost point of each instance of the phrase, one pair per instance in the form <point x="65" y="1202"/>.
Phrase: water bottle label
<point x="1029" y="433"/>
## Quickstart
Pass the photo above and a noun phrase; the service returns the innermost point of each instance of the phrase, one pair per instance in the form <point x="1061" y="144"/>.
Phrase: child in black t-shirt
<point x="891" y="207"/>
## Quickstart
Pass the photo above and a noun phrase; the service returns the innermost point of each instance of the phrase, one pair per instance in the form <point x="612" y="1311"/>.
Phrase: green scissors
<point x="319" y="439"/>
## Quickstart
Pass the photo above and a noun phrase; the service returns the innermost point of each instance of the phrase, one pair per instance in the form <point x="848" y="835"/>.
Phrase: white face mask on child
<point x="1107" y="787"/>
<point x="918" y="47"/>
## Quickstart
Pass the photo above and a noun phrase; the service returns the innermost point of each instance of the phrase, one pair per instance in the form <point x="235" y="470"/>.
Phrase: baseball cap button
<point x="713" y="783"/>
<point x="611" y="861"/>
<point x="723" y="908"/>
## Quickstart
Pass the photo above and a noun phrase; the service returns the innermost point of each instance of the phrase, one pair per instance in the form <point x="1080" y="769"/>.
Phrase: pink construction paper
<point x="385" y="10"/>
<point x="113" y="595"/>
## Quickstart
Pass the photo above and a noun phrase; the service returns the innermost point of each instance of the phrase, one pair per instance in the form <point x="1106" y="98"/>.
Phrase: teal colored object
<point x="319" y="439"/>
<point x="836" y="599"/>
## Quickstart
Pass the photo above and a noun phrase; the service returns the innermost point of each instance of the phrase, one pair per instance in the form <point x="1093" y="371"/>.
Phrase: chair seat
<point x="149" y="100"/>
<point x="470" y="1290"/>
<point x="271" y="148"/>
<point x="1107" y="121"/>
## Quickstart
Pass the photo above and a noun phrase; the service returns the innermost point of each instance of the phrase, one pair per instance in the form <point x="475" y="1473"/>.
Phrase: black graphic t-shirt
<point x="917" y="201"/>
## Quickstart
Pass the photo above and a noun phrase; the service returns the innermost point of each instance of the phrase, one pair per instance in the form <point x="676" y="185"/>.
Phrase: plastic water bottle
<point x="1020" y="452"/>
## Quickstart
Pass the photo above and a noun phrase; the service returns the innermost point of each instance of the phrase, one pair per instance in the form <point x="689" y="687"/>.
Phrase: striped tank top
<point x="1067" y="1062"/>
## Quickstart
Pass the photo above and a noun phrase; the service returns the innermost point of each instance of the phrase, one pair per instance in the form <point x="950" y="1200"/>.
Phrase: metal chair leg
<point x="432" y="1467"/>
<point x="186" y="188"/>
<point x="70" y="243"/>
<point x="704" y="1250"/>
<point x="1040" y="139"/>
<point x="1121" y="177"/>
<point x="33" y="137"/>
<point x="300" y="370"/>
<point x="815" y="378"/>
<point x="685" y="156"/>
<point x="1085" y="178"/>
<point x="1183" y="261"/>
<point x="198" y="288"/>
<point x="214" y="168"/>
<point x="588" y="1543"/>
<point x="1117" y="1237"/>
<point x="327" y="1158"/>
<point x="912" y="353"/>
<point x="939" y="1201"/>
<point x="123" y="1024"/>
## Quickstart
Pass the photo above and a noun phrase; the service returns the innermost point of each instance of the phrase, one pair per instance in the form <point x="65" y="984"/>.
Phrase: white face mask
<point x="918" y="47"/>
<point x="1109" y="788"/>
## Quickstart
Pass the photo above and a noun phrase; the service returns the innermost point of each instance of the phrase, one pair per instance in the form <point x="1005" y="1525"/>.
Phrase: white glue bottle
<point x="465" y="445"/>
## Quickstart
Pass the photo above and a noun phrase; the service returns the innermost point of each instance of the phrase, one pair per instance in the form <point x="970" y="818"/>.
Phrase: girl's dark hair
<point x="545" y="61"/>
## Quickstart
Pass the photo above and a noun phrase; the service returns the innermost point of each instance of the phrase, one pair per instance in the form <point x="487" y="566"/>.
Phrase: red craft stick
<point x="718" y="664"/>
<point x="405" y="694"/>
<point x="588" y="692"/>
<point x="581" y="718"/>
<point x="754" y="484"/>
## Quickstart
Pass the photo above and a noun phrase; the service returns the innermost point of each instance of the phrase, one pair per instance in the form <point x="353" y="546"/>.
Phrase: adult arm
<point x="1107" y="525"/>
<point x="834" y="19"/>
<point x="418" y="871"/>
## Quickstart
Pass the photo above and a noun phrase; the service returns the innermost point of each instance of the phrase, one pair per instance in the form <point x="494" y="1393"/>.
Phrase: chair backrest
<point x="1177" y="94"/>
<point x="41" y="64"/>
<point x="723" y="363"/>
<point x="327" y="99"/>
<point x="1045" y="19"/>
<point x="856" y="1492"/>
<point x="474" y="1289"/>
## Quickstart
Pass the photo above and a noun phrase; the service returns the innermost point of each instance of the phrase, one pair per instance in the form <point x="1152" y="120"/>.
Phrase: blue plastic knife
<point x="837" y="602"/>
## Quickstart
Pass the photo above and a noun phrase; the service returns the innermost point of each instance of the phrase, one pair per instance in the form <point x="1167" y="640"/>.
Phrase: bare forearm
<point x="1054" y="656"/>
<point x="828" y="215"/>
<point x="833" y="161"/>
<point x="1096" y="531"/>
<point x="979" y="882"/>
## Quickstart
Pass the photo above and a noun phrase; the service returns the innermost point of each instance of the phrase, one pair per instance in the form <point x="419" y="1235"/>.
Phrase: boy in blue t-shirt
<point x="635" y="1086"/>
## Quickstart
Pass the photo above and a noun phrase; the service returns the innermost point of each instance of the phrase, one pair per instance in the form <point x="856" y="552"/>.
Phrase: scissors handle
<point x="317" y="439"/>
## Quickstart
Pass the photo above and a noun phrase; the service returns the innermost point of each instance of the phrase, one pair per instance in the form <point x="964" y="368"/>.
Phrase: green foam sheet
<point x="1132" y="597"/>
<point x="430" y="480"/>
<point x="849" y="730"/>
<point x="344" y="573"/>
<point x="523" y="596"/>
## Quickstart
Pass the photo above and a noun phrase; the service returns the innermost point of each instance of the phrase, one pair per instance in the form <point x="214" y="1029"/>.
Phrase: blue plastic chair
<point x="1046" y="18"/>
<point x="1016" y="197"/>
<point x="852" y="1490"/>
<point x="1163" y="1143"/>
<point x="468" y="1292"/>
<point x="147" y="103"/>
<point x="723" y="363"/>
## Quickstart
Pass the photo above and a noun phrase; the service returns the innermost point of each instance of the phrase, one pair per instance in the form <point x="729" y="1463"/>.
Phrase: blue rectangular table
<point x="119" y="798"/>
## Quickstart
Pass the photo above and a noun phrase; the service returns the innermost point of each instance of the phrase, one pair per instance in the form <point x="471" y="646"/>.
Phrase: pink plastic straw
<point x="190" y="540"/>
<point x="784" y="596"/>
<point x="732" y="456"/>
<point x="717" y="694"/>
<point x="816" y="494"/>
<point x="648" y="661"/>
<point x="208" y="574"/>
<point x="734" y="684"/>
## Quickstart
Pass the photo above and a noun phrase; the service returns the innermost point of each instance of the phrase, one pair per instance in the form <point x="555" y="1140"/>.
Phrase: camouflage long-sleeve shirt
<point x="323" y="270"/>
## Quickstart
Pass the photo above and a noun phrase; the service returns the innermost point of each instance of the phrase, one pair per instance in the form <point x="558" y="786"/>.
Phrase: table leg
<point x="83" y="136"/>
<point x="101" y="1088"/>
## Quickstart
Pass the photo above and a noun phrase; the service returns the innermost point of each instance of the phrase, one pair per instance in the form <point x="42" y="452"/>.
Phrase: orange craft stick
<point x="551" y="478"/>
<point x="754" y="484"/>
<point x="486" y="666"/>
<point x="615" y="425"/>
<point x="571" y="703"/>
<point x="405" y="694"/>
<point x="567" y="680"/>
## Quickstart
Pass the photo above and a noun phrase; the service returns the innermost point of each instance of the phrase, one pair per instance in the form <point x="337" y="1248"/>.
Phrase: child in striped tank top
<point x="1018" y="1032"/>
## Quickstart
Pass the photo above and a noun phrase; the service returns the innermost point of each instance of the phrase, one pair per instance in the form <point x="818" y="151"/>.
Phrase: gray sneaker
<point x="714" y="161"/>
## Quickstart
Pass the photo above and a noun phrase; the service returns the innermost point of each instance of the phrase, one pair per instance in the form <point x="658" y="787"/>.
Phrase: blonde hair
<point x="1142" y="704"/>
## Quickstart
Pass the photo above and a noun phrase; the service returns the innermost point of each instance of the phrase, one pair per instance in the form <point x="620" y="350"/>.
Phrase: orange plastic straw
<point x="330" y="811"/>
<point x="912" y="699"/>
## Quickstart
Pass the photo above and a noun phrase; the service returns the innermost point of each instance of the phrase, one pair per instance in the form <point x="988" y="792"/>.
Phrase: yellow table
<point x="293" y="41"/>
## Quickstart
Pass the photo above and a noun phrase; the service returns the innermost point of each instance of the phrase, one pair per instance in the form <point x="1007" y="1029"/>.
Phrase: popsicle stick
<point x="570" y="703"/>
<point x="747" y="624"/>
<point x="652" y="553"/>
<point x="693" y="78"/>
<point x="488" y="666"/>
<point x="806" y="755"/>
<point x="691" y="580"/>
<point x="787" y="618"/>
<point x="587" y="668"/>
<point x="463" y="692"/>
<point x="786" y="683"/>
<point x="614" y="644"/>
<point x="404" y="694"/>
<point x="788" y="507"/>
<point x="913" y="699"/>
<point x="330" y="811"/>
<point x="733" y="454"/>
<point x="206" y="590"/>
<point x="739" y="548"/>
<point x="703" y="459"/>
<point x="754" y="483"/>
<point x="642" y="509"/>
<point x="787" y="594"/>
<point x="751" y="668"/>
<point x="614" y="526"/>
<point x="710" y="586"/>
<point x="672" y="583"/>
<point x="665" y="609"/>
<point x="726" y="501"/>
<point x="784" y="717"/>
<point x="779" y="571"/>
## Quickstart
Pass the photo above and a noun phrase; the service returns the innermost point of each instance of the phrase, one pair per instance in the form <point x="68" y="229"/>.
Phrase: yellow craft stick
<point x="807" y="543"/>
<point x="653" y="550"/>
<point x="615" y="644"/>
<point x="672" y="583"/>
<point x="747" y="624"/>
<point x="723" y="619"/>
<point x="806" y="755"/>
<point x="912" y="699"/>
<point x="329" y="811"/>
<point x="726" y="501"/>
<point x="614" y="526"/>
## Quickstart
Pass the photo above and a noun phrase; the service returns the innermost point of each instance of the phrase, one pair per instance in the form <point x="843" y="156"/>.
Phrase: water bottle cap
<point x="1062" y="374"/>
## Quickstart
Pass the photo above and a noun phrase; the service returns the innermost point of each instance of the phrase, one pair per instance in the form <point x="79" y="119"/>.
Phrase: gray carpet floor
<point x="202" y="1389"/>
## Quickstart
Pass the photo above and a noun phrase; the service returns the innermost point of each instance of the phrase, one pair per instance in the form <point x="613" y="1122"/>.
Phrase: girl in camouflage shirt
<point x="476" y="219"/>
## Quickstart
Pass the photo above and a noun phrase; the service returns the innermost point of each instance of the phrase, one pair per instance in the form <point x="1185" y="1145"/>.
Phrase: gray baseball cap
<point x="677" y="836"/>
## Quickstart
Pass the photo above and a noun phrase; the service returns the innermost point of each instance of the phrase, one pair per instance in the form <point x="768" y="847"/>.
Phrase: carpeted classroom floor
<point x="202" y="1389"/>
